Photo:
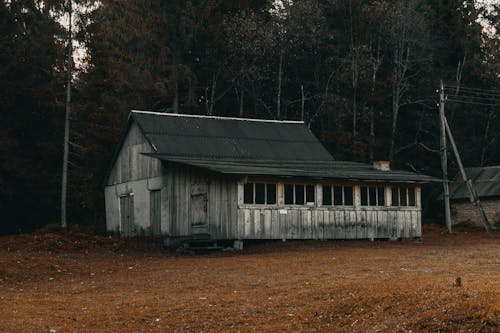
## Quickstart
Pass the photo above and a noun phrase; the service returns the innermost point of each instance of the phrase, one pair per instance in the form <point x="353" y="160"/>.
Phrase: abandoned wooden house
<point x="486" y="182"/>
<point x="234" y="179"/>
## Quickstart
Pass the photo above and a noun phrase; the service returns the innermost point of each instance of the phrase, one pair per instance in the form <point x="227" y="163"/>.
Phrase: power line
<point x="473" y="98"/>
<point x="469" y="102"/>
<point x="475" y="93"/>
<point x="474" y="89"/>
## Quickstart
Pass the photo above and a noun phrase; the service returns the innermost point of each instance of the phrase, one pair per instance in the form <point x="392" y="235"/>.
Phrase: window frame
<point x="377" y="190"/>
<point x="304" y="186"/>
<point x="254" y="193"/>
<point x="342" y="187"/>
<point x="397" y="195"/>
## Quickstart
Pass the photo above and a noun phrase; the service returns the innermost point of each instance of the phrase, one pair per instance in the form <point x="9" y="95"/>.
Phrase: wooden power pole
<point x="444" y="158"/>
<point x="473" y="197"/>
<point x="64" y="181"/>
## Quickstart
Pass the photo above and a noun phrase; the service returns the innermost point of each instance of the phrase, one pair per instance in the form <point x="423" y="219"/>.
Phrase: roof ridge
<point x="218" y="117"/>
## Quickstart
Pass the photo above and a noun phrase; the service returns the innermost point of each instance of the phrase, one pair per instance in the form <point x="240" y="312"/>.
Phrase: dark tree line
<point x="361" y="74"/>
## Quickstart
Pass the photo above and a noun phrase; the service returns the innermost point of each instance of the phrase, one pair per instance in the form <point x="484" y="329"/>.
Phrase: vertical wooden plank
<point x="267" y="224"/>
<point x="274" y="228"/>
<point x="408" y="223"/>
<point x="340" y="227"/>
<point x="155" y="212"/>
<point x="294" y="223"/>
<point x="419" y="224"/>
<point x="360" y="221"/>
<point x="328" y="224"/>
<point x="371" y="218"/>
<point x="305" y="224"/>
<point x="248" y="223"/>
<point x="240" y="228"/>
<point x="354" y="221"/>
<point x="381" y="224"/>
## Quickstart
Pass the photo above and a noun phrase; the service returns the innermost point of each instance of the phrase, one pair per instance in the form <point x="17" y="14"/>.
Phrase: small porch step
<point x="198" y="243"/>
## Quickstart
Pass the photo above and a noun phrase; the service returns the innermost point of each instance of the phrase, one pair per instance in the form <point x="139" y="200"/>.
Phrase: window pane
<point x="299" y="194"/>
<point x="364" y="196"/>
<point x="373" y="195"/>
<point x="402" y="196"/>
<point x="380" y="196"/>
<point x="260" y="194"/>
<point x="348" y="199"/>
<point x="411" y="197"/>
<point x="248" y="193"/>
<point x="271" y="194"/>
<point x="310" y="193"/>
<point x="337" y="195"/>
<point x="327" y="195"/>
<point x="395" y="197"/>
<point x="288" y="194"/>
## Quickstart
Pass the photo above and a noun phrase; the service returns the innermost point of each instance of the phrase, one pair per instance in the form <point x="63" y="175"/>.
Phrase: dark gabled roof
<point x="233" y="138"/>
<point x="486" y="181"/>
<point x="311" y="169"/>
<point x="237" y="146"/>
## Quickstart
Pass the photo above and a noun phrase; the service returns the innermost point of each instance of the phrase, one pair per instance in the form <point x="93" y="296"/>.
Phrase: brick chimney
<point x="382" y="165"/>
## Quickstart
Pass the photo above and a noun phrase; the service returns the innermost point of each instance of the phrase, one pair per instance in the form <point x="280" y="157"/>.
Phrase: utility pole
<point x="473" y="197"/>
<point x="444" y="158"/>
<point x="64" y="181"/>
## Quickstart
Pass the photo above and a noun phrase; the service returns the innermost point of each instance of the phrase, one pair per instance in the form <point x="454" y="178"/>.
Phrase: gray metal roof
<point x="341" y="170"/>
<point x="486" y="181"/>
<point x="253" y="147"/>
<point x="236" y="138"/>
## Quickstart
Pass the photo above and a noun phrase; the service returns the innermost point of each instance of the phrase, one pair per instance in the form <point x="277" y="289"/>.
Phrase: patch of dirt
<point x="80" y="282"/>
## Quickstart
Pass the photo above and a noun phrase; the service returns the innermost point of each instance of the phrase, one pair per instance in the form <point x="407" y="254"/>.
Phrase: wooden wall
<point x="229" y="219"/>
<point x="130" y="164"/>
<point x="326" y="223"/>
<point x="222" y="201"/>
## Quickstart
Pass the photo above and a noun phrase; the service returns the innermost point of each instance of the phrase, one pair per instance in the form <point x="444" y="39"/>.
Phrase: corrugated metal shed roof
<point x="342" y="170"/>
<point x="219" y="137"/>
<point x="253" y="147"/>
<point x="486" y="181"/>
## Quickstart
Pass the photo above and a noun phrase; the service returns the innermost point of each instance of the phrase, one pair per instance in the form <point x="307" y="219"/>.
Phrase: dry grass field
<point x="83" y="283"/>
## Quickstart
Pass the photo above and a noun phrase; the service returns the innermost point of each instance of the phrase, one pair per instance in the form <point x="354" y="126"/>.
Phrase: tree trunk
<point x="242" y="94"/>
<point x="280" y="74"/>
<point x="64" y="180"/>
<point x="212" y="94"/>
<point x="175" y="102"/>
<point x="302" y="101"/>
<point x="395" y="112"/>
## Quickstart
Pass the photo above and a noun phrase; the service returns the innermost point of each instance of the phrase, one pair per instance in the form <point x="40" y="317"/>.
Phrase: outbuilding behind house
<point x="486" y="182"/>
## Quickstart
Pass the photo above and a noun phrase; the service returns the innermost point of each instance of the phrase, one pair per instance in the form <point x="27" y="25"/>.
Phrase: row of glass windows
<point x="333" y="195"/>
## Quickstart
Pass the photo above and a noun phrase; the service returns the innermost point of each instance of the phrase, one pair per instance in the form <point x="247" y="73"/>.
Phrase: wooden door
<point x="155" y="212"/>
<point x="127" y="216"/>
<point x="198" y="208"/>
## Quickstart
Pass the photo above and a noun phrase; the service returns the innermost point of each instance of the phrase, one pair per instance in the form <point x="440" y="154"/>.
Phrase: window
<point x="299" y="194"/>
<point x="372" y="196"/>
<point x="403" y="196"/>
<point x="259" y="193"/>
<point x="337" y="195"/>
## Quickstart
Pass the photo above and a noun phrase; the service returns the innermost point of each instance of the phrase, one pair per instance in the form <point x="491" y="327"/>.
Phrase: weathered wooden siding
<point x="130" y="164"/>
<point x="324" y="223"/>
<point x="221" y="196"/>
<point x="134" y="174"/>
<point x="229" y="218"/>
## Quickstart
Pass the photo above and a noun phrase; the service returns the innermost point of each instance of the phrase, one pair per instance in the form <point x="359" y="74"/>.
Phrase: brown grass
<point x="83" y="283"/>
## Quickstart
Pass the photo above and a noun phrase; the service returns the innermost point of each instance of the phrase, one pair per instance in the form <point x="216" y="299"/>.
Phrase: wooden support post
<point x="474" y="199"/>
<point x="444" y="159"/>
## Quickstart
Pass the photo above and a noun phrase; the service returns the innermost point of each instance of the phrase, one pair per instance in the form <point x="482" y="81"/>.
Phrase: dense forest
<point x="362" y="75"/>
